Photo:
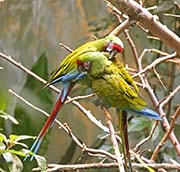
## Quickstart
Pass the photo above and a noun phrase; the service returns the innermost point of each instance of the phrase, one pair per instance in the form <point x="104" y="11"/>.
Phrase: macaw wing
<point x="124" y="95"/>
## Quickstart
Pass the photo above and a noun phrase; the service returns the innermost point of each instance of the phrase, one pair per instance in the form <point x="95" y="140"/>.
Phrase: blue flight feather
<point x="146" y="112"/>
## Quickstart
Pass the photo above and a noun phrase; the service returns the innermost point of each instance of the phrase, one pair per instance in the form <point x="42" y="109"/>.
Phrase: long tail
<point x="146" y="112"/>
<point x="122" y="117"/>
<point x="49" y="122"/>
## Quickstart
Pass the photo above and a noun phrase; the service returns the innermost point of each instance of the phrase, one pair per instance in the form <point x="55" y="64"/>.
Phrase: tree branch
<point x="136" y="12"/>
<point x="162" y="142"/>
<point x="57" y="167"/>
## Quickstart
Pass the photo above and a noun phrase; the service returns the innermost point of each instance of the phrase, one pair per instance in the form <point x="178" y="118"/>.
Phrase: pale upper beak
<point x="112" y="54"/>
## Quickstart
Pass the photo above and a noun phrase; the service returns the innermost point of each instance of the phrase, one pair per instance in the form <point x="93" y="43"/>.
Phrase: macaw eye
<point x="83" y="66"/>
<point x="109" y="47"/>
<point x="87" y="65"/>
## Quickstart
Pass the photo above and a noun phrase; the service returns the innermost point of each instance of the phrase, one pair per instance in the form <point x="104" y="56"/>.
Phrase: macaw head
<point x="113" y="45"/>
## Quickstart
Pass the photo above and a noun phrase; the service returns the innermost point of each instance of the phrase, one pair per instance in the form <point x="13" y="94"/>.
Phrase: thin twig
<point x="114" y="9"/>
<point x="146" y="139"/>
<point x="169" y="97"/>
<point x="163" y="140"/>
<point x="85" y="148"/>
<point x="80" y="97"/>
<point x="172" y="15"/>
<point x="159" y="78"/>
<point x="121" y="27"/>
<point x="66" y="47"/>
<point x="154" y="63"/>
<point x="114" y="141"/>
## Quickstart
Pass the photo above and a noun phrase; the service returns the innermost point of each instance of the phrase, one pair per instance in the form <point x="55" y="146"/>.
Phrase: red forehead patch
<point x="118" y="48"/>
<point x="79" y="62"/>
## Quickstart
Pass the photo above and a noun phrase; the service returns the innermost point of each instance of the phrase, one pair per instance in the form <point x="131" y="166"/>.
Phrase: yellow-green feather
<point x="114" y="85"/>
<point x="69" y="63"/>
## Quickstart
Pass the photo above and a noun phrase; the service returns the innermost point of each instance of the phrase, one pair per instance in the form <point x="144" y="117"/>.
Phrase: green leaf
<point x="21" y="137"/>
<point x="15" y="139"/>
<point x="12" y="151"/>
<point x="2" y="146"/>
<point x="2" y="137"/>
<point x="7" y="116"/>
<point x="2" y="100"/>
<point x="13" y="162"/>
<point x="144" y="164"/>
<point x="42" y="163"/>
<point x="138" y="124"/>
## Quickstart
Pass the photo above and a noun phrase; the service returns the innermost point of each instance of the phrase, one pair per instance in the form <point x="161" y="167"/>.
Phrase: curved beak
<point x="112" y="54"/>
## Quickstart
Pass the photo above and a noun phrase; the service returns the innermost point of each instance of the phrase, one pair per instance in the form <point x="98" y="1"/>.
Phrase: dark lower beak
<point x="112" y="54"/>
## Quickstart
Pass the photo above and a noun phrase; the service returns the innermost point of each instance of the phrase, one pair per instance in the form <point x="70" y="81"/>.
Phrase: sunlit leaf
<point x="21" y="137"/>
<point x="2" y="101"/>
<point x="15" y="139"/>
<point x="2" y="137"/>
<point x="42" y="163"/>
<point x="13" y="162"/>
<point x="12" y="151"/>
<point x="2" y="146"/>
<point x="1" y="170"/>
<point x="6" y="116"/>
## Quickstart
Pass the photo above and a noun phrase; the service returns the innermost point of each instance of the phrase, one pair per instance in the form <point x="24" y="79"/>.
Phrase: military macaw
<point x="70" y="71"/>
<point x="115" y="87"/>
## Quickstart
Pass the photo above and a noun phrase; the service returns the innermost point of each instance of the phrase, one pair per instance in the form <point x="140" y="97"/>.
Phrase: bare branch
<point x="121" y="27"/>
<point x="79" y="97"/>
<point x="146" y="139"/>
<point x="162" y="142"/>
<point x="169" y="97"/>
<point x="136" y="12"/>
<point x="57" y="167"/>
<point x="114" y="141"/>
<point x="65" y="47"/>
<point x="154" y="63"/>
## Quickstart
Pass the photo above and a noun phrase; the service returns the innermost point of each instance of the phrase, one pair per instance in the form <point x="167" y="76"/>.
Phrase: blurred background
<point x="30" y="32"/>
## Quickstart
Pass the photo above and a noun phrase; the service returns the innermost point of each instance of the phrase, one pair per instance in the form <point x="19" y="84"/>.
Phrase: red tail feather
<point x="51" y="117"/>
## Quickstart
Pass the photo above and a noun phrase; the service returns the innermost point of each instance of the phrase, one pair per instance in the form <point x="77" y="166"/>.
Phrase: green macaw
<point x="70" y="71"/>
<point x="115" y="87"/>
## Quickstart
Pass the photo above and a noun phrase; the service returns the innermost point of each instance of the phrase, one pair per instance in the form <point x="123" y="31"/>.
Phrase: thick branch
<point x="57" y="167"/>
<point x="137" y="12"/>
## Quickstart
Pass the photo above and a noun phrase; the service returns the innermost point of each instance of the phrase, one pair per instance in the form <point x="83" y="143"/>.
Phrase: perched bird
<point x="115" y="87"/>
<point x="70" y="71"/>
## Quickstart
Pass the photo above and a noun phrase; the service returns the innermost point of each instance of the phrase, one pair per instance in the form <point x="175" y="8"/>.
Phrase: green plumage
<point x="82" y="52"/>
<point x="113" y="84"/>
<point x="109" y="79"/>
